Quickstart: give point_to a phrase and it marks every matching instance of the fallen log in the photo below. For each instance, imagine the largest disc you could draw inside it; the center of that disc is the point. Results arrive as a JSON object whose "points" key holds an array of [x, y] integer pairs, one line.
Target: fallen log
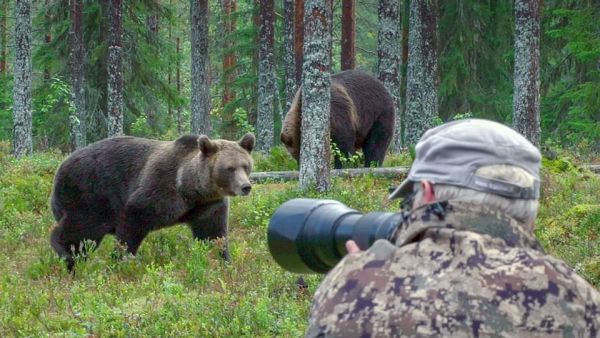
{"points": [[391, 172], [283, 176]]}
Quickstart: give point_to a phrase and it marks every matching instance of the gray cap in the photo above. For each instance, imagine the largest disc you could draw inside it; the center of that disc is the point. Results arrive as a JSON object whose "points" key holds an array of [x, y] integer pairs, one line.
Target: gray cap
{"points": [[452, 153]]}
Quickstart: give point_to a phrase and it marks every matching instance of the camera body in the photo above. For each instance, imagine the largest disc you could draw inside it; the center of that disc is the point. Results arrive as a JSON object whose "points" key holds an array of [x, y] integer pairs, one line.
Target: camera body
{"points": [[309, 235]]}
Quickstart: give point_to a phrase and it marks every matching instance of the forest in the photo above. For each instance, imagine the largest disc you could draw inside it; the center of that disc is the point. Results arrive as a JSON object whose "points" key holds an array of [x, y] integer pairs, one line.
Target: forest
{"points": [[73, 72]]}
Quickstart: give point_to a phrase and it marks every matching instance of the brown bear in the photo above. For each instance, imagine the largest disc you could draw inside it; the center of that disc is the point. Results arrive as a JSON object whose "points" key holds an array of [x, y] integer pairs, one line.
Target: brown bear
{"points": [[362, 117], [129, 186]]}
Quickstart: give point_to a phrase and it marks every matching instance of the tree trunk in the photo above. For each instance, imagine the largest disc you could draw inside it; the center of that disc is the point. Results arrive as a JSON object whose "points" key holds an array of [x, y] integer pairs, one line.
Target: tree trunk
{"points": [[526, 100], [3, 37], [388, 52], [22, 138], [200, 87], [316, 95], [153, 25], [289, 60], [421, 86], [229, 8], [77, 61], [178, 80], [47, 37], [266, 79], [228, 128], [115, 69], [348, 54], [299, 39], [405, 4]]}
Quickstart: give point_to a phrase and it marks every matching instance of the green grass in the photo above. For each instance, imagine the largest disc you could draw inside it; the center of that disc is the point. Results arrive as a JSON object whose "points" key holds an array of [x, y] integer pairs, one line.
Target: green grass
{"points": [[176, 286]]}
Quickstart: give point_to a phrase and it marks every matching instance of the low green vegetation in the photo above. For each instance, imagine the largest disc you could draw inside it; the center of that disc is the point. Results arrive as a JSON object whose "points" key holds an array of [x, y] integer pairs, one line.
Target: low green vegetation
{"points": [[176, 286]]}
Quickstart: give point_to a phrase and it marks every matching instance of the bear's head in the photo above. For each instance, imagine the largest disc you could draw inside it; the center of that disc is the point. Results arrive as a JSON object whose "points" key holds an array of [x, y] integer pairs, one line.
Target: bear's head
{"points": [[229, 164], [290, 131]]}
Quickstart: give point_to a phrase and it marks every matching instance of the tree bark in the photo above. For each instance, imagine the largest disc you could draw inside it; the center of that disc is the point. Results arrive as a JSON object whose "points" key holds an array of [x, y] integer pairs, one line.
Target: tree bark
{"points": [[266, 79], [153, 26], [421, 86], [316, 95], [405, 4], [289, 60], [526, 99], [77, 61], [115, 69], [229, 8], [388, 52], [47, 37], [178, 80], [200, 87], [299, 39], [3, 37], [22, 138], [348, 53]]}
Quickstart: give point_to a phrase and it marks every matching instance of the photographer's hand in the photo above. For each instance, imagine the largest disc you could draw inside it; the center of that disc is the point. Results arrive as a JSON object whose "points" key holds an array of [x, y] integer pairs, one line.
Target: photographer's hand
{"points": [[352, 247]]}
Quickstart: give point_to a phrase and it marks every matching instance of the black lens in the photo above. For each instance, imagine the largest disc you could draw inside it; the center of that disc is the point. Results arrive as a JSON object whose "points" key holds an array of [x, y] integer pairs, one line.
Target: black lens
{"points": [[309, 235]]}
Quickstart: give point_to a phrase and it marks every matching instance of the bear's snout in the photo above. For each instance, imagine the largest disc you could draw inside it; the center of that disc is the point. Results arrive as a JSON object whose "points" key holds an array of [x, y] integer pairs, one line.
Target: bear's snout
{"points": [[246, 187]]}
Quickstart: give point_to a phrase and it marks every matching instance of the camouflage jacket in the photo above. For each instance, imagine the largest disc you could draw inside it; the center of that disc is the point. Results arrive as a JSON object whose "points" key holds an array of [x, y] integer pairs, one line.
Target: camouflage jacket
{"points": [[456, 270]]}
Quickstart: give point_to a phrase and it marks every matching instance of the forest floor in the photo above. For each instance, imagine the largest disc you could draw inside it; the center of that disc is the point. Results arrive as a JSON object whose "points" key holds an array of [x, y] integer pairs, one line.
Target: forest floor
{"points": [[176, 286]]}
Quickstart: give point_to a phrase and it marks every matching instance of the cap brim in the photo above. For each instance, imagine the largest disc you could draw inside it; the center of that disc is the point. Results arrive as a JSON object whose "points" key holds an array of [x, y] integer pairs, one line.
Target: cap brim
{"points": [[402, 190]]}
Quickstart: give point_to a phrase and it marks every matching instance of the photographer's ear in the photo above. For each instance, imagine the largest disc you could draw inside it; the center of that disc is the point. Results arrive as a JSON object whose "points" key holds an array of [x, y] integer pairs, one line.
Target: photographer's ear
{"points": [[428, 193]]}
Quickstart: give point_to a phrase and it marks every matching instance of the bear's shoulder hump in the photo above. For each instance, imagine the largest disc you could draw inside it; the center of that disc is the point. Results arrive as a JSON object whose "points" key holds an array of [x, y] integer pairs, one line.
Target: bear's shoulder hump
{"points": [[187, 141]]}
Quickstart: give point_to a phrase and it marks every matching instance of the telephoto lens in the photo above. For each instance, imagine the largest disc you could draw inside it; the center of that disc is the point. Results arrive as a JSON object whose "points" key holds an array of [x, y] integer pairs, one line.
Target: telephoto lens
{"points": [[309, 235]]}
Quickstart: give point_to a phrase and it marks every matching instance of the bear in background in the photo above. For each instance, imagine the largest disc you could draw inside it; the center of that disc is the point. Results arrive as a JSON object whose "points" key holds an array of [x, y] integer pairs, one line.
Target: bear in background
{"points": [[362, 117], [129, 186]]}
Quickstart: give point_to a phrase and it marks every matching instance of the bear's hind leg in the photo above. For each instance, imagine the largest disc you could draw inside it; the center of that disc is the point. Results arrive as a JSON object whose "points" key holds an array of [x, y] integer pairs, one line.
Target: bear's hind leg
{"points": [[69, 243], [377, 143]]}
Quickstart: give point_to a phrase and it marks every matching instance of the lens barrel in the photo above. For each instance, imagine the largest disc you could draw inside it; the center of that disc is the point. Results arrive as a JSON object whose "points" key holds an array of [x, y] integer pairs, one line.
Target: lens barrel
{"points": [[309, 235]]}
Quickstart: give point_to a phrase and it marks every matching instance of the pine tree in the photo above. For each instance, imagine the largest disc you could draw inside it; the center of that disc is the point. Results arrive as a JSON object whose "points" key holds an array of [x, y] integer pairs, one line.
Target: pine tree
{"points": [[348, 54], [200, 91], [526, 102], [388, 51], [316, 95], [289, 61], [266, 79], [77, 63], [115, 69], [299, 38], [229, 8], [22, 137], [152, 25], [3, 36], [421, 86]]}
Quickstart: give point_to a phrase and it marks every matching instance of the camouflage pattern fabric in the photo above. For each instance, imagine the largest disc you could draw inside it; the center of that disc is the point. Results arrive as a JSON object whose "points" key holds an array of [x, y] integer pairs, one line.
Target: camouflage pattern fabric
{"points": [[457, 270]]}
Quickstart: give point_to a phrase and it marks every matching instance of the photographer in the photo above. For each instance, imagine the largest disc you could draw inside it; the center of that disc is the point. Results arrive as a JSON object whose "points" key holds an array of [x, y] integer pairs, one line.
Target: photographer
{"points": [[465, 262]]}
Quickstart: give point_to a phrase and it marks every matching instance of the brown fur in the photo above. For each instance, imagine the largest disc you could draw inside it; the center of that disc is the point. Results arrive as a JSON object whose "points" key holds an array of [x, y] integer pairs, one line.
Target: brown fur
{"points": [[362, 117], [130, 186]]}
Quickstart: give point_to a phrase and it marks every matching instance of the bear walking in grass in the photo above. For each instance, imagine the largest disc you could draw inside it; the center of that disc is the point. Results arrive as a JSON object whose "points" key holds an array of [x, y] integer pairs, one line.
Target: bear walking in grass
{"points": [[129, 186], [362, 117]]}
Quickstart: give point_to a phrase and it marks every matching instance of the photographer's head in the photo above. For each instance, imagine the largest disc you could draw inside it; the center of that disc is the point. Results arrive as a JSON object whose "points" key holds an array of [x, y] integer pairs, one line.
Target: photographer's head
{"points": [[476, 161]]}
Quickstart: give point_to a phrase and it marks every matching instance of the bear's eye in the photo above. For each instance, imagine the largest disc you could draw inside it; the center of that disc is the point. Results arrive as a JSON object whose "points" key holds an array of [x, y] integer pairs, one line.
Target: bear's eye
{"points": [[231, 169]]}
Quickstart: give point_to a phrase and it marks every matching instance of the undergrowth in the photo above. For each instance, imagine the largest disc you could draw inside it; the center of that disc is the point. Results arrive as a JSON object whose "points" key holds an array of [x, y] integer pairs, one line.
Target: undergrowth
{"points": [[176, 286]]}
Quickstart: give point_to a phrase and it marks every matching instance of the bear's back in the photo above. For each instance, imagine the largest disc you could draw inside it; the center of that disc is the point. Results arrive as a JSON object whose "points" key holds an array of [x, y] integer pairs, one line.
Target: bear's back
{"points": [[369, 95], [103, 172]]}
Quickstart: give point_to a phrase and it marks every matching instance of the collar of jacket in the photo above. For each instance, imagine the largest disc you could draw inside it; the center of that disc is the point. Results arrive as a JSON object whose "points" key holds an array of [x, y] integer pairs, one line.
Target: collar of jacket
{"points": [[461, 216]]}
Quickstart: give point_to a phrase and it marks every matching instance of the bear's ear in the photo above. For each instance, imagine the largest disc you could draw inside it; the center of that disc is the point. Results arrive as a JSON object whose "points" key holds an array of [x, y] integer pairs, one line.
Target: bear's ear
{"points": [[207, 147], [247, 142]]}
